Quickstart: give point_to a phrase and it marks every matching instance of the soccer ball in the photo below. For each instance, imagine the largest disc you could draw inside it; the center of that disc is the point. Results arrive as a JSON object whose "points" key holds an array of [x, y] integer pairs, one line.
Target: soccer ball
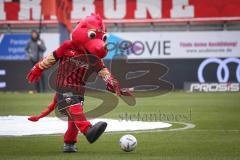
{"points": [[128, 143]]}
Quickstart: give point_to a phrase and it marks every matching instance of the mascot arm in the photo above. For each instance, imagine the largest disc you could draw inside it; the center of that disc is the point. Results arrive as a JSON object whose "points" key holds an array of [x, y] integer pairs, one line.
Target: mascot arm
{"points": [[36, 71], [47, 62], [45, 112], [112, 84]]}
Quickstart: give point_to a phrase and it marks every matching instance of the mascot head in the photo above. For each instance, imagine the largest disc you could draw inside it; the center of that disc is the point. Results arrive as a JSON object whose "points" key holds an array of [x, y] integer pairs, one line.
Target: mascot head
{"points": [[90, 35]]}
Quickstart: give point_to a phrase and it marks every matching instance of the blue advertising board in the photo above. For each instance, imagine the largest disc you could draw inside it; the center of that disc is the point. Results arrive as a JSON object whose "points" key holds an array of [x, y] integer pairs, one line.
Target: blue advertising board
{"points": [[12, 46]]}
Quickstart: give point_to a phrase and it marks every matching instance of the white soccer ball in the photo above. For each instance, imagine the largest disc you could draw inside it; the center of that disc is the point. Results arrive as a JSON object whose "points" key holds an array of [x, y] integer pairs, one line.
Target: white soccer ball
{"points": [[128, 143]]}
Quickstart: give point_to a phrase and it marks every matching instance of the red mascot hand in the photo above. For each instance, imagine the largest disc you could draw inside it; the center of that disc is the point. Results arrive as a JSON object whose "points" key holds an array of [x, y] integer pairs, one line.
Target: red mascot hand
{"points": [[34, 118], [35, 73], [113, 85]]}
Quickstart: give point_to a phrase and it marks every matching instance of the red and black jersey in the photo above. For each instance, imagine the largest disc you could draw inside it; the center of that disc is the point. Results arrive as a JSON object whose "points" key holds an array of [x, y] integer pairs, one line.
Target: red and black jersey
{"points": [[75, 67]]}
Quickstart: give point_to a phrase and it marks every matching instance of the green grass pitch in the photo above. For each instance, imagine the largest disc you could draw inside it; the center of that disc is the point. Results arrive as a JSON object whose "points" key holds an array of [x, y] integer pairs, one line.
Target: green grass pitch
{"points": [[216, 135]]}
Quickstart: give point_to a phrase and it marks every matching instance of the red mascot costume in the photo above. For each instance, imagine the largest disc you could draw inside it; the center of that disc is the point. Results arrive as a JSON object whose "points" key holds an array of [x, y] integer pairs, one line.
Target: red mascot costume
{"points": [[77, 59]]}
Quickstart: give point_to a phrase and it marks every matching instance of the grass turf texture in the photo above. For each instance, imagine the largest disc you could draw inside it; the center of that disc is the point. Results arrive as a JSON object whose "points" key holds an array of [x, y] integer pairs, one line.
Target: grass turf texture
{"points": [[216, 135]]}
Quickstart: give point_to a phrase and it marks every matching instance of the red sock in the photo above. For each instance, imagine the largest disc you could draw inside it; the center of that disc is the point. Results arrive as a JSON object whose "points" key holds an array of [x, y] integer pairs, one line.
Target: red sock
{"points": [[77, 116], [71, 134]]}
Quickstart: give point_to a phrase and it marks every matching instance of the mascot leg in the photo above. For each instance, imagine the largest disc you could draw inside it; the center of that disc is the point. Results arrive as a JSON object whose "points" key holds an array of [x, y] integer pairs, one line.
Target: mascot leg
{"points": [[70, 137], [76, 122], [77, 116], [92, 132]]}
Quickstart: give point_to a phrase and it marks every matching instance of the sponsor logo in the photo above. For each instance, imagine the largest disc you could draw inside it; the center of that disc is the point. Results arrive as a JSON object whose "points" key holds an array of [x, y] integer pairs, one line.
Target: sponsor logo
{"points": [[222, 70], [79, 63], [214, 87], [118, 46], [12, 46]]}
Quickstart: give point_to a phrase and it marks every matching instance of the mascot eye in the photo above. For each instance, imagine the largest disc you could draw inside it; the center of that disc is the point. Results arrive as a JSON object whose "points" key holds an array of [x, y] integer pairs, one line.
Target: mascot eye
{"points": [[104, 38], [91, 34]]}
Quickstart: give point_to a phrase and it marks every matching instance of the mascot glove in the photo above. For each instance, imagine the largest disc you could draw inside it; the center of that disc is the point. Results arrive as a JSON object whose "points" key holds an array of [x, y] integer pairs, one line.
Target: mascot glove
{"points": [[113, 85], [126, 92], [123, 91], [35, 73]]}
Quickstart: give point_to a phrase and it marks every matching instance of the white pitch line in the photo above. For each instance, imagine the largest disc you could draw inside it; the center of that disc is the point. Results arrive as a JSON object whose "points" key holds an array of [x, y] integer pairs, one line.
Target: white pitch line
{"points": [[215, 130], [187, 126]]}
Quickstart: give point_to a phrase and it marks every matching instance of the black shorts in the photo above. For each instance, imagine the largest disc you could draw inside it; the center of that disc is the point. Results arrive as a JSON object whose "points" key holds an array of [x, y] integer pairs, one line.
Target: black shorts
{"points": [[65, 100]]}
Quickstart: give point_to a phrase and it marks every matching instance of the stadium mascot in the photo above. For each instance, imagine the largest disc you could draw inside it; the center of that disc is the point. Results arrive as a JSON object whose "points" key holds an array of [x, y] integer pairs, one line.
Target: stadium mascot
{"points": [[77, 59]]}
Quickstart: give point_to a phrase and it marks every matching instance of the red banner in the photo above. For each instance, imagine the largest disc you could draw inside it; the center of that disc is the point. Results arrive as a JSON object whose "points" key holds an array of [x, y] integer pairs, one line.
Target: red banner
{"points": [[63, 12], [117, 11]]}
